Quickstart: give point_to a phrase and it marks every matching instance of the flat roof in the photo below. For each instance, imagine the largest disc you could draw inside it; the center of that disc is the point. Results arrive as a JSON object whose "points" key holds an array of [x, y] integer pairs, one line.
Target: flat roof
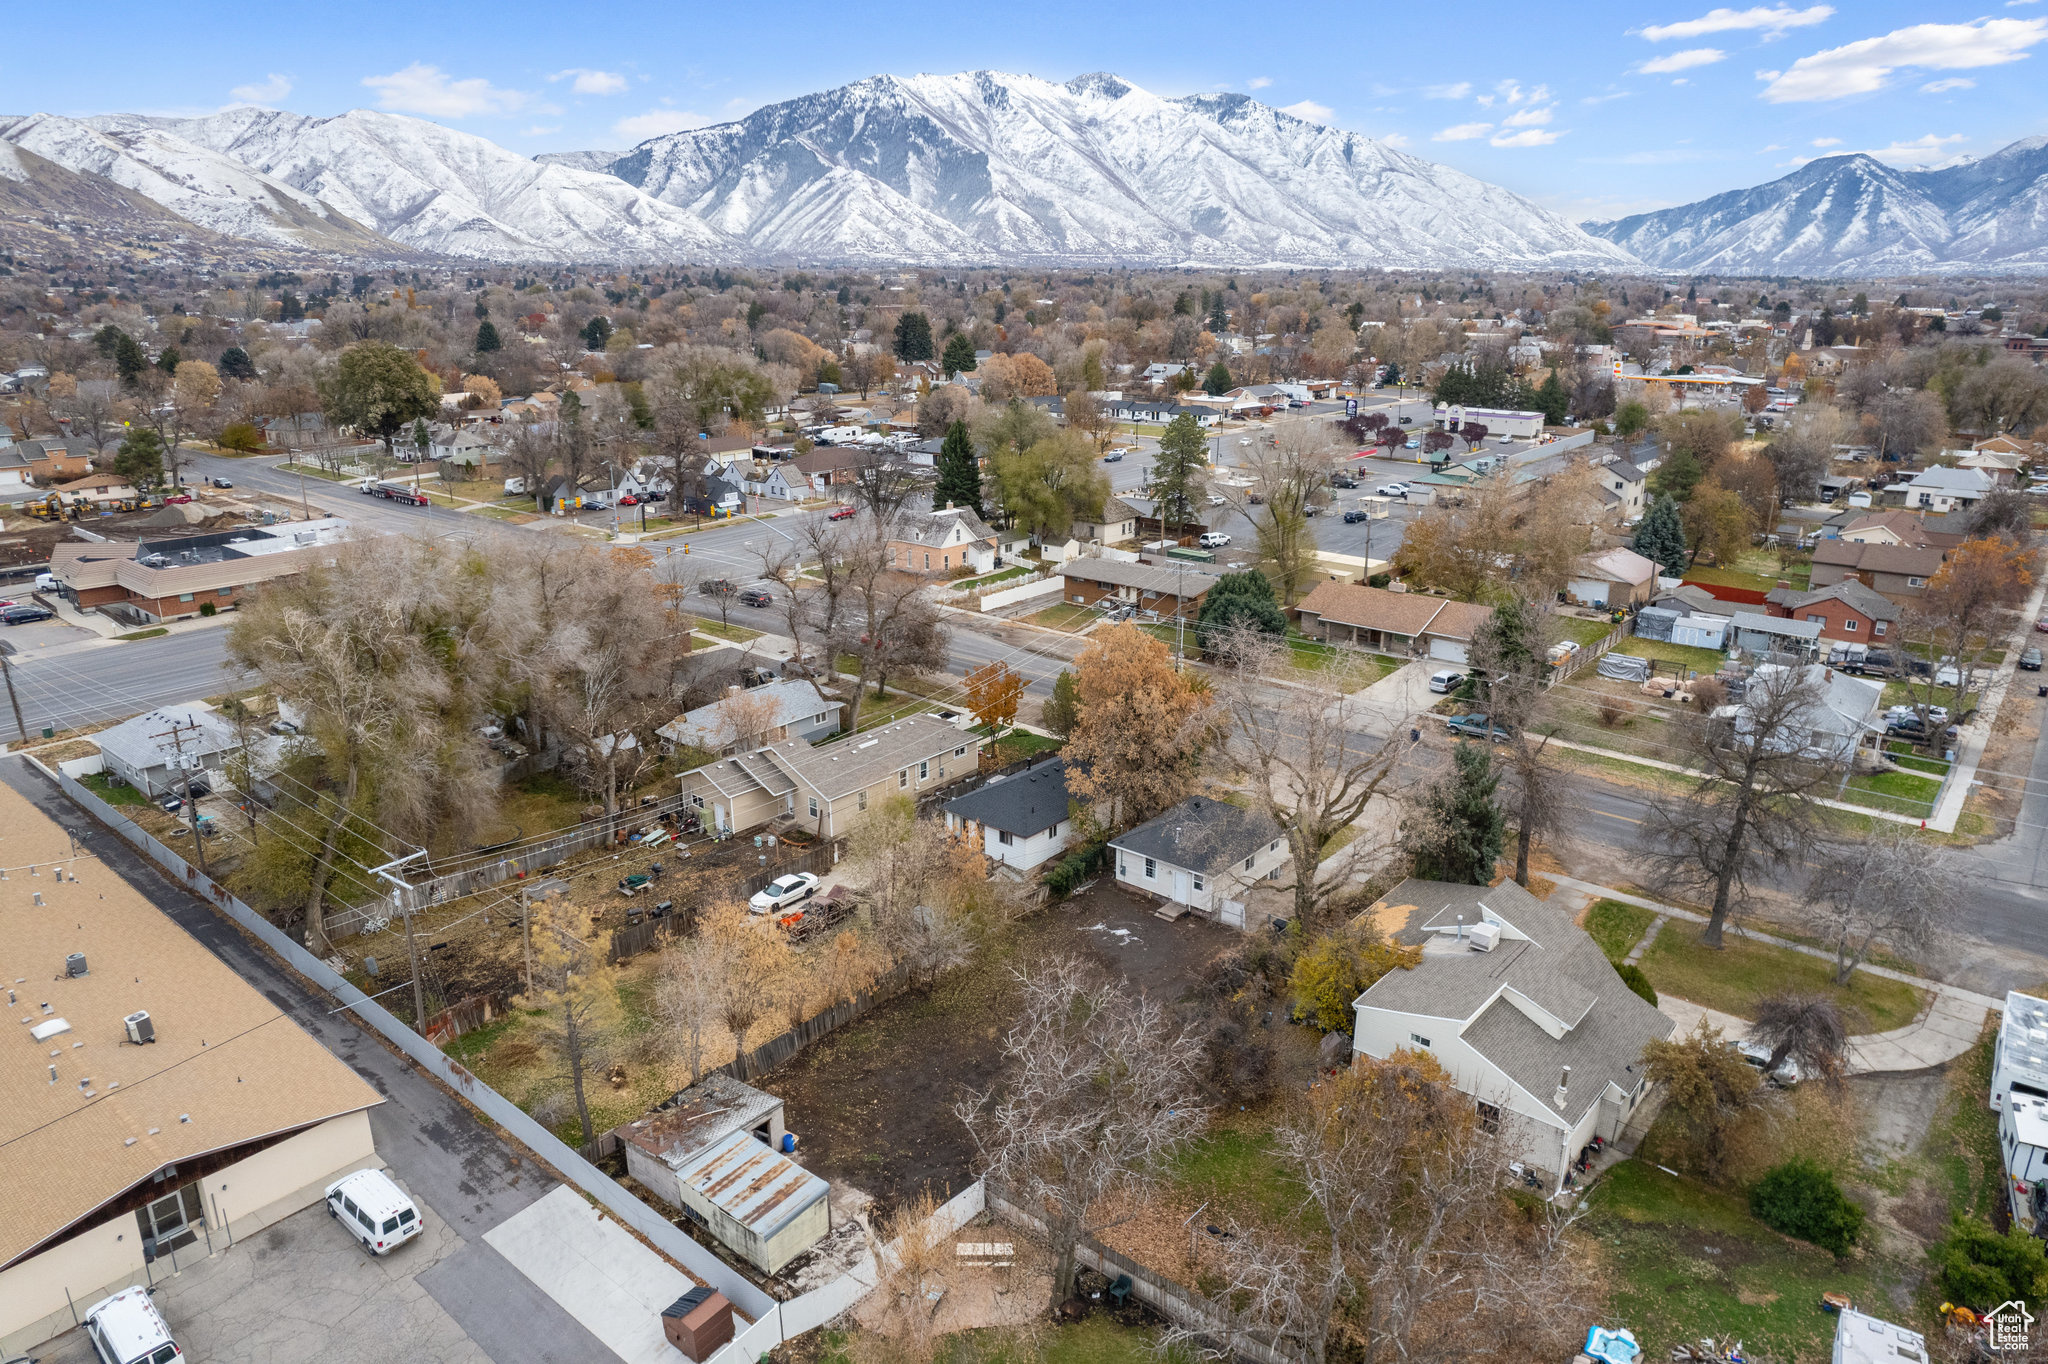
{"points": [[707, 1112], [2023, 1033], [228, 1066], [1862, 1339]]}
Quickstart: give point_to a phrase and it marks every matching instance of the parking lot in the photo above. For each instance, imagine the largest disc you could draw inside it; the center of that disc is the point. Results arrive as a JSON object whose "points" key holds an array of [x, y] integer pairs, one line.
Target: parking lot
{"points": [[303, 1289], [43, 634]]}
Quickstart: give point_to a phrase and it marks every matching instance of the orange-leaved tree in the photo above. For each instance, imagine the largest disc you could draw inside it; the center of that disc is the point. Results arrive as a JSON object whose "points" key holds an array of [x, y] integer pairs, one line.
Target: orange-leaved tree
{"points": [[993, 691], [1140, 730]]}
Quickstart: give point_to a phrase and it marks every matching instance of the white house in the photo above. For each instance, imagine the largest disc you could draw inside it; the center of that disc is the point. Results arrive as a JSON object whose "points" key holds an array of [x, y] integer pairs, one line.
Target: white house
{"points": [[1022, 819], [1841, 716], [155, 752], [746, 719], [1522, 1009], [1203, 853], [1945, 488]]}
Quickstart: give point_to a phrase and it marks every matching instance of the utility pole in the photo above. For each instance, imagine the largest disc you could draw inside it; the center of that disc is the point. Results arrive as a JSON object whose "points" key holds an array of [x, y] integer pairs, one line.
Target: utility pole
{"points": [[1180, 607], [176, 734], [13, 700], [398, 906]]}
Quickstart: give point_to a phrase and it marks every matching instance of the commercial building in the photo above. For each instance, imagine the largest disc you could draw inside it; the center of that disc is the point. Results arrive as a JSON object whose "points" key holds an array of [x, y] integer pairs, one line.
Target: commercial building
{"points": [[123, 1156], [147, 582]]}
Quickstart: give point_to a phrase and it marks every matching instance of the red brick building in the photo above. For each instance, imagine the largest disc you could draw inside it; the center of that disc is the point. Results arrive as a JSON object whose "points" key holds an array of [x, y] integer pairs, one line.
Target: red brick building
{"points": [[1846, 610]]}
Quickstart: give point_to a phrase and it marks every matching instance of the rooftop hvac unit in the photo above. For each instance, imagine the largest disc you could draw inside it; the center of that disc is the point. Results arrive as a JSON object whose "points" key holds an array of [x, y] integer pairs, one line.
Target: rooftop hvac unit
{"points": [[74, 965], [1485, 937], [140, 1029]]}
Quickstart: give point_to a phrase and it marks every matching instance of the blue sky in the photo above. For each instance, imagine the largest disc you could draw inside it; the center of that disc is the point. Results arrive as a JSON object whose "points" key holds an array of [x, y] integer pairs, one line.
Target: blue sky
{"points": [[1596, 110]]}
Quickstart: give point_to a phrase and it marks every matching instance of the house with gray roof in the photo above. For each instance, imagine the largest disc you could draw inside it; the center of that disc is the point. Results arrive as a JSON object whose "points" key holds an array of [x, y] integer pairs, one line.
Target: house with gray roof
{"points": [[159, 751], [747, 718], [1202, 855], [941, 541], [1520, 1007], [1757, 633], [1021, 820], [831, 787], [1839, 714], [1944, 488]]}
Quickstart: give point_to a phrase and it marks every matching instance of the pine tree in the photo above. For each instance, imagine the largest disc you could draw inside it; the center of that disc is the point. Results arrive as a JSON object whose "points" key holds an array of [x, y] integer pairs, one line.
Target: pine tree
{"points": [[913, 338], [1060, 713], [1461, 831], [1661, 537], [234, 363], [1180, 471], [1552, 400], [959, 474], [1218, 381], [129, 358], [487, 339], [596, 332], [959, 354]]}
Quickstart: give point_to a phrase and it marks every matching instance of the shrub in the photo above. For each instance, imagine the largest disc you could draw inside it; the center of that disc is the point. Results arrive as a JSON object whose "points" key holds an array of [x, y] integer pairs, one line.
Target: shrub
{"points": [[1613, 711], [206, 608], [1071, 870], [1335, 970], [1800, 1198], [241, 436], [1379, 580], [1633, 977], [1981, 1269]]}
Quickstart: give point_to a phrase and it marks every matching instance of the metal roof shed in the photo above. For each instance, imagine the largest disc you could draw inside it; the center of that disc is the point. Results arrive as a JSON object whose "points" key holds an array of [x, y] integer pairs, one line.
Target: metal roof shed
{"points": [[757, 1201]]}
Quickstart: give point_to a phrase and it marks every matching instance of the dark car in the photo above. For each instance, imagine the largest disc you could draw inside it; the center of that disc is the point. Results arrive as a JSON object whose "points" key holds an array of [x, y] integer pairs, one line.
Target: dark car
{"points": [[1875, 663], [756, 596], [2030, 661], [1355, 515], [26, 615], [1475, 727], [1343, 481], [1113, 457], [716, 587], [219, 482]]}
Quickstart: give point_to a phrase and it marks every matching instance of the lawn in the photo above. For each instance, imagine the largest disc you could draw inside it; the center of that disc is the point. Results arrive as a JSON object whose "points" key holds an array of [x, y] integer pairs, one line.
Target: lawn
{"points": [[102, 785], [1617, 927], [991, 579], [1743, 972], [1705, 662], [1583, 633], [1348, 670], [1066, 616], [1730, 577], [1096, 1340], [1237, 1174], [501, 514], [1687, 1261], [1901, 752], [1903, 694], [1020, 744], [143, 634], [1901, 793], [1963, 1140], [315, 471], [735, 634]]}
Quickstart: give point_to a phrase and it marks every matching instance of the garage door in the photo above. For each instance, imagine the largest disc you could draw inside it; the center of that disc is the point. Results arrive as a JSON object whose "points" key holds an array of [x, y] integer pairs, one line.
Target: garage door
{"points": [[1450, 650]]}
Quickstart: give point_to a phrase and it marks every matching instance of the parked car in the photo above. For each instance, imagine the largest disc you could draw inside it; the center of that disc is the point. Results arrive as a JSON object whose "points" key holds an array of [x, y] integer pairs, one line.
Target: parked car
{"points": [[1948, 675], [629, 501], [1872, 663], [1446, 680], [1391, 490], [176, 499], [1758, 1055], [1343, 481], [1355, 515], [2042, 625], [374, 1209], [1113, 457], [1475, 727], [1214, 539], [25, 613], [219, 482], [756, 596], [1413, 444], [2030, 660], [782, 891], [842, 514], [127, 1329]]}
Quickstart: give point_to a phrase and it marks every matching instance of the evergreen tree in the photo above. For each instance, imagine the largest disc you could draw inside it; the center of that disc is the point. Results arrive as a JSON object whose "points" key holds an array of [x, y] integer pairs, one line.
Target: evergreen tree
{"points": [[959, 474], [1552, 400], [959, 355], [487, 338], [913, 338], [1219, 319], [1218, 381], [129, 359], [1180, 471], [1060, 713], [596, 332], [140, 460], [290, 309], [1234, 599], [171, 358], [1461, 831], [234, 363], [106, 340], [1661, 537]]}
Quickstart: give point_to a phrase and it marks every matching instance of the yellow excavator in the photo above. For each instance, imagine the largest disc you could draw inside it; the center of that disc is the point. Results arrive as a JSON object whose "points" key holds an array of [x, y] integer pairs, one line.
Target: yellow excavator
{"points": [[51, 508]]}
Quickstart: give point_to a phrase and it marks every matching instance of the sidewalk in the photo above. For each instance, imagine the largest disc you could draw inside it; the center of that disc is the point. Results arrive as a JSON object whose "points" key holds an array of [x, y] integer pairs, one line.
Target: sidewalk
{"points": [[109, 630], [1949, 1028], [1962, 773]]}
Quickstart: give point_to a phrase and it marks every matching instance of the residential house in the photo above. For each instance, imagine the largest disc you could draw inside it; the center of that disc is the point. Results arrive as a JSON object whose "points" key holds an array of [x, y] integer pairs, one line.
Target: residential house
{"points": [[1622, 489], [827, 468], [163, 749], [1893, 526], [941, 541], [97, 489], [780, 482], [1521, 1008], [1203, 853], [232, 1119], [1845, 610], [1176, 591], [1388, 622], [1690, 599], [1612, 579], [1020, 820], [49, 461], [151, 581], [2025, 451], [829, 788], [1114, 524], [1842, 716], [2001, 467], [464, 447], [745, 719], [1161, 371], [1761, 634], [1899, 572], [1946, 488]]}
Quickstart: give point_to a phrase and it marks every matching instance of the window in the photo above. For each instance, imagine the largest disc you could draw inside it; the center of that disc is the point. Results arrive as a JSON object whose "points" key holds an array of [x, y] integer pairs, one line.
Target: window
{"points": [[924, 771], [1848, 625], [1123, 869], [863, 800], [697, 801], [1818, 620], [1249, 860], [225, 592], [903, 779], [1489, 1117], [1274, 846], [1878, 629], [1418, 1039], [1151, 870], [1198, 881], [927, 561], [814, 807], [1916, 582], [390, 1225], [1005, 838], [960, 752], [184, 596]]}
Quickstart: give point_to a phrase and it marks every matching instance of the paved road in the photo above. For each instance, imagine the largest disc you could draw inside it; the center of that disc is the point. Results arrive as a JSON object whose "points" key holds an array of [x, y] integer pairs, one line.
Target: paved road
{"points": [[441, 1151]]}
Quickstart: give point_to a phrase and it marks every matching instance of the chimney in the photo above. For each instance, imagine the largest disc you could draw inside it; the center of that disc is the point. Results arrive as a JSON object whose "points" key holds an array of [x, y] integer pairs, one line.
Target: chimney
{"points": [[1564, 1082]]}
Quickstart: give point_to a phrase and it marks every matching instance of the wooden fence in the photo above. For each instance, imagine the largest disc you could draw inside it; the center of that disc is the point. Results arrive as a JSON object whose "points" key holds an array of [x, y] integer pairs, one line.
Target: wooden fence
{"points": [[465, 1015], [776, 1050], [1587, 654]]}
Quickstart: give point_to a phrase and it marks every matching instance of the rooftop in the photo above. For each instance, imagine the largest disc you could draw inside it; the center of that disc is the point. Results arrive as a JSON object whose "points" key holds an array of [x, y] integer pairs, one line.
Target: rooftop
{"points": [[706, 1113], [756, 1187], [1143, 577], [2023, 1034], [1024, 803], [1861, 1339], [227, 1068], [1201, 834]]}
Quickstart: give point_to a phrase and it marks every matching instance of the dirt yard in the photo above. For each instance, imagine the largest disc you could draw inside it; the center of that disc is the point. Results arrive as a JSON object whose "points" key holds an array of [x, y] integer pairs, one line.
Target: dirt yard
{"points": [[872, 1104]]}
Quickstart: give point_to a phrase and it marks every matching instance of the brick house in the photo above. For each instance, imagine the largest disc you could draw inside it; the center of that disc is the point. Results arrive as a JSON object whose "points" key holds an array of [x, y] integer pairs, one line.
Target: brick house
{"points": [[941, 541], [50, 460], [1845, 610], [1149, 587], [1898, 572]]}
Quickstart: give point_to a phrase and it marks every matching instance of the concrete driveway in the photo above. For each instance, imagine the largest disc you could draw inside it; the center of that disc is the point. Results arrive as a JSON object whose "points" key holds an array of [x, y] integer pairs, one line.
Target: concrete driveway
{"points": [[1395, 699]]}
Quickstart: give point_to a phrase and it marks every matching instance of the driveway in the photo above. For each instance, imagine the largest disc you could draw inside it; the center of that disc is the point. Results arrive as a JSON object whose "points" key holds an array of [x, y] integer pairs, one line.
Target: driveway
{"points": [[1395, 699], [303, 1290]]}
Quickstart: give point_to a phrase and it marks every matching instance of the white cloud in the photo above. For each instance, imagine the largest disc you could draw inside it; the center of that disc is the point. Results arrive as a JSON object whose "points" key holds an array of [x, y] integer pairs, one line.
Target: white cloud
{"points": [[1528, 137], [1681, 81], [1827, 142], [1773, 21], [269, 90], [423, 89], [655, 122], [1512, 93], [2015, 4], [1258, 82], [1860, 68], [1682, 61], [1307, 109], [1458, 91], [590, 82], [1920, 151], [1951, 83], [1770, 147], [1463, 132], [1396, 140], [1529, 118], [1602, 99]]}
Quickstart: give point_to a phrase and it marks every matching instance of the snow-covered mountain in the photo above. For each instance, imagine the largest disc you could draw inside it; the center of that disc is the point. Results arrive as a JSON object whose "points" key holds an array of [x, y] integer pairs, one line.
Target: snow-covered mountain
{"points": [[988, 167], [1854, 215], [439, 190]]}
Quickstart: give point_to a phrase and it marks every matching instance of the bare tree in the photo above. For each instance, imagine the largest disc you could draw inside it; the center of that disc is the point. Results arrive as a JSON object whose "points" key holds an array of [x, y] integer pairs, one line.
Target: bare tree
{"points": [[883, 482], [1510, 656], [1967, 610], [1293, 475], [891, 623], [1887, 886], [1752, 806], [1098, 1091], [1310, 767], [1807, 1029], [686, 995]]}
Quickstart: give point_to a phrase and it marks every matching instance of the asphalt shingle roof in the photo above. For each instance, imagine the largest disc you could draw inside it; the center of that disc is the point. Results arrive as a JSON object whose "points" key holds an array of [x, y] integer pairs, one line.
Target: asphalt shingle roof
{"points": [[1201, 834], [1026, 803]]}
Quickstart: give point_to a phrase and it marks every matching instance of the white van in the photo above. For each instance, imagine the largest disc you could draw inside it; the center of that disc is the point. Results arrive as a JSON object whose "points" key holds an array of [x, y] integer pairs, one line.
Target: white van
{"points": [[515, 487], [374, 1209], [127, 1329]]}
